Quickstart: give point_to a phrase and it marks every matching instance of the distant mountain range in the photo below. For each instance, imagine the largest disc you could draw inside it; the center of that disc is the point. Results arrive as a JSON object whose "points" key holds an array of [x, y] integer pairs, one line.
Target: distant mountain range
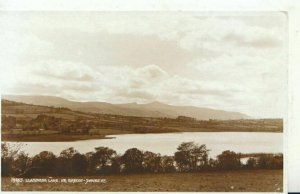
{"points": [[154, 109]]}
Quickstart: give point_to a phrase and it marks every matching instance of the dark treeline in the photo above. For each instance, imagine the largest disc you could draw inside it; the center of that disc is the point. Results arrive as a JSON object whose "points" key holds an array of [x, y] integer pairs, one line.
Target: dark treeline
{"points": [[189, 157]]}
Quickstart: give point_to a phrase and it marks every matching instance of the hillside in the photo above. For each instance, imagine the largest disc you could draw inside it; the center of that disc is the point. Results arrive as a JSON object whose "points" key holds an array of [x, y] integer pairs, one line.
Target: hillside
{"points": [[27, 122], [155, 109]]}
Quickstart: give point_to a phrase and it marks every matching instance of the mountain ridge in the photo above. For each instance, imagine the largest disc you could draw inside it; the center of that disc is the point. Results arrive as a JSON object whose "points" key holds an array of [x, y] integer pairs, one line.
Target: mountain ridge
{"points": [[153, 109]]}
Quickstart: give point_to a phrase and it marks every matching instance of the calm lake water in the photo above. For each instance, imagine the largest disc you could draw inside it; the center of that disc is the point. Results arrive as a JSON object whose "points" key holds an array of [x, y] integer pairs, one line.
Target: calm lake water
{"points": [[167, 143]]}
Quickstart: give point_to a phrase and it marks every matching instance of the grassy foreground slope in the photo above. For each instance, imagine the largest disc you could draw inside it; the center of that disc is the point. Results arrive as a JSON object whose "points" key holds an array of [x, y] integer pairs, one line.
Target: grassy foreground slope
{"points": [[232, 181]]}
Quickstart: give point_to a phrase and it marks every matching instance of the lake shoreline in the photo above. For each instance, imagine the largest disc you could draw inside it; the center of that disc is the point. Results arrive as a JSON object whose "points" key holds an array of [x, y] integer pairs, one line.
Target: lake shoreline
{"points": [[164, 143], [49, 138], [74, 138]]}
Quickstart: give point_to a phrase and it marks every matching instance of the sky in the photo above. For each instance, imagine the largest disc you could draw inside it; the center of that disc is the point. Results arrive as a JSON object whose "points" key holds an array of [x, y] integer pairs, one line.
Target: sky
{"points": [[229, 61]]}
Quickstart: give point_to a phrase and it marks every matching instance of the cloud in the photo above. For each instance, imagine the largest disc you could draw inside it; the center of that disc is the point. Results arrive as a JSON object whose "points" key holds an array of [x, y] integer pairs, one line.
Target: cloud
{"points": [[229, 68], [34, 88], [201, 92], [265, 43], [102, 48], [136, 82], [261, 43], [136, 94], [230, 61], [64, 70], [151, 72]]}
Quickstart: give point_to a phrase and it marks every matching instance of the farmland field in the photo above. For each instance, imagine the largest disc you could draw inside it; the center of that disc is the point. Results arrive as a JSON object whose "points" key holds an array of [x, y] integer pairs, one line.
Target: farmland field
{"points": [[32, 123], [232, 181]]}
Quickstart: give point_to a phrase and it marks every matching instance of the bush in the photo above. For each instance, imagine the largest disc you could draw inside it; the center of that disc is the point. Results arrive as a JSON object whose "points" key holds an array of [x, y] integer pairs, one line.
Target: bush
{"points": [[229, 160], [251, 163], [270, 162]]}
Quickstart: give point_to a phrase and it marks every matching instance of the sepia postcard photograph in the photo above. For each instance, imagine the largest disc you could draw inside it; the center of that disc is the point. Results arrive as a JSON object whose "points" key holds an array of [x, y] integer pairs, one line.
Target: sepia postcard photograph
{"points": [[143, 101]]}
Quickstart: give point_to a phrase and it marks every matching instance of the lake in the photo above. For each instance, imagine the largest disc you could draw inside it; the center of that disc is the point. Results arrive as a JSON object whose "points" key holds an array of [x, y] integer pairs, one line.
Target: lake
{"points": [[167, 143]]}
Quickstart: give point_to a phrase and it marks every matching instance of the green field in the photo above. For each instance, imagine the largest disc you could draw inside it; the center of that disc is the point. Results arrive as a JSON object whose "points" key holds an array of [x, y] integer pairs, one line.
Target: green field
{"points": [[232, 181]]}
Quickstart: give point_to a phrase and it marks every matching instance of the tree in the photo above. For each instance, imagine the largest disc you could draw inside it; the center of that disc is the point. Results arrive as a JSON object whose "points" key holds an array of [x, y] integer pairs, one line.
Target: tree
{"points": [[6, 160], [116, 163], [12, 159], [45, 161], [152, 162], [64, 162], [270, 161], [251, 163], [212, 164], [229, 160], [21, 163], [133, 160], [101, 160], [8, 122], [90, 165], [168, 164], [277, 161], [191, 156], [79, 164]]}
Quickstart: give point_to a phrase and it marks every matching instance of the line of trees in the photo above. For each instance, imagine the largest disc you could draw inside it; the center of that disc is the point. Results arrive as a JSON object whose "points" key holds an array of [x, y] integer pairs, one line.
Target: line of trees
{"points": [[189, 157]]}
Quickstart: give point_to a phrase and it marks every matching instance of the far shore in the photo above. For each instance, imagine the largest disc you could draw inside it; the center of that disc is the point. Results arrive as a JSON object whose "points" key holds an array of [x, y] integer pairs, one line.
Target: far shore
{"points": [[78, 137], [49, 138]]}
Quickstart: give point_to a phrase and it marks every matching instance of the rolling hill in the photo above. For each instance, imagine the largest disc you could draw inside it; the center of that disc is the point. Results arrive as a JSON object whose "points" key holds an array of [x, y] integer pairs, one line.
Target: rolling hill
{"points": [[154, 109]]}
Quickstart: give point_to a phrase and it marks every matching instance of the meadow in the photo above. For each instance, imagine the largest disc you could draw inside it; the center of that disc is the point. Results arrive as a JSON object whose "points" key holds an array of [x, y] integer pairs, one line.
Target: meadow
{"points": [[225, 181]]}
